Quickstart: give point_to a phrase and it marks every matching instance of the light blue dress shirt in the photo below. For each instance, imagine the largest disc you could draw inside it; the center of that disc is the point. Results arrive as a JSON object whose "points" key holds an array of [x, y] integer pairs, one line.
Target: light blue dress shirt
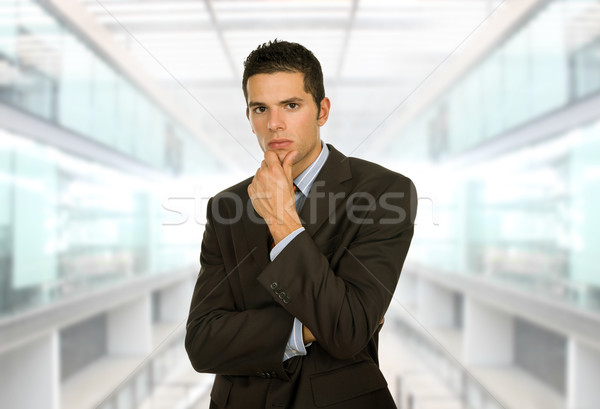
{"points": [[303, 181]]}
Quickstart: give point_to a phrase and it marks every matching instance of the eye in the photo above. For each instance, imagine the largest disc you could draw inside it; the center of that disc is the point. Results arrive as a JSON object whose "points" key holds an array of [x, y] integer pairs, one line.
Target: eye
{"points": [[259, 110], [293, 105]]}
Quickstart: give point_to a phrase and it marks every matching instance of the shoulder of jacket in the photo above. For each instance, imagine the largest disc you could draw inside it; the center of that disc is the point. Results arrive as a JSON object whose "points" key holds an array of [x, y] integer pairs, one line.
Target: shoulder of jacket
{"points": [[367, 171]]}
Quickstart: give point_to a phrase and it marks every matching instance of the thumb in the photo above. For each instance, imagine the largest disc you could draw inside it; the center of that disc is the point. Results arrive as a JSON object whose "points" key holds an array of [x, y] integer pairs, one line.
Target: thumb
{"points": [[288, 162]]}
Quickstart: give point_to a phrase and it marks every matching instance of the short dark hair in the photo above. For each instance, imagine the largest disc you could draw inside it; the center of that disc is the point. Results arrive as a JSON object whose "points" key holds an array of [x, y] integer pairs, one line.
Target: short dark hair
{"points": [[276, 56]]}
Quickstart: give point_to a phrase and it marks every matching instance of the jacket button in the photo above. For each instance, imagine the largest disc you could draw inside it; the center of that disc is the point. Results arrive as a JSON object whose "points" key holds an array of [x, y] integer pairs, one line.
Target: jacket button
{"points": [[282, 295], [274, 285], [287, 300]]}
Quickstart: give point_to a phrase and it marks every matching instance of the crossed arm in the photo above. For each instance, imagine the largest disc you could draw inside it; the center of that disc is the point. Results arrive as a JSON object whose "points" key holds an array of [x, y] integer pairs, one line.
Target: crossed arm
{"points": [[341, 309]]}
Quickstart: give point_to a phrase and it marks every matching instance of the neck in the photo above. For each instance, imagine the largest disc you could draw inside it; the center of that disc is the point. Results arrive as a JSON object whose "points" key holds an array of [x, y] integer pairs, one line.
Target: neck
{"points": [[301, 167]]}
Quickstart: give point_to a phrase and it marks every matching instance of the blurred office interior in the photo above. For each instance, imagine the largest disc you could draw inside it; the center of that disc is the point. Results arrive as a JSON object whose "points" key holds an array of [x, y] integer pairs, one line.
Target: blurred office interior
{"points": [[120, 118]]}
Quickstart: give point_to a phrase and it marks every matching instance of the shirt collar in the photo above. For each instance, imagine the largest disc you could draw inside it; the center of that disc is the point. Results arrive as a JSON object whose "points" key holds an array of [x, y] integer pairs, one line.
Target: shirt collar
{"points": [[305, 180]]}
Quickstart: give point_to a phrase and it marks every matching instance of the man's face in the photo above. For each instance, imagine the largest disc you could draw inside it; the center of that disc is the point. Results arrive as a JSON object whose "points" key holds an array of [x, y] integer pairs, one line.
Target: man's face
{"points": [[284, 117]]}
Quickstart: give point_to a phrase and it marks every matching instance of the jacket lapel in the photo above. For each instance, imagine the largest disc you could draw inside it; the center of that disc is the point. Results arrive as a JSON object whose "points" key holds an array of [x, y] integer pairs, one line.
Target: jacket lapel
{"points": [[319, 204], [321, 199]]}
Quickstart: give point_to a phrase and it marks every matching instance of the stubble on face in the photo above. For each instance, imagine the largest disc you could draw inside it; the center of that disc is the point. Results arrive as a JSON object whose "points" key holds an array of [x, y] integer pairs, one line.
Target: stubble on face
{"points": [[280, 108]]}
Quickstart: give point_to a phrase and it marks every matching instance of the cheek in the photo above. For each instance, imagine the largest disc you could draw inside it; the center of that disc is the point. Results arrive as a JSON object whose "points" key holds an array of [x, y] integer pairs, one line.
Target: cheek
{"points": [[308, 124], [256, 122]]}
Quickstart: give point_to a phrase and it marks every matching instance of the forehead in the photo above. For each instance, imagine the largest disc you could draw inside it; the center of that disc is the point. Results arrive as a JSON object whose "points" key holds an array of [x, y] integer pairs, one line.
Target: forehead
{"points": [[277, 86]]}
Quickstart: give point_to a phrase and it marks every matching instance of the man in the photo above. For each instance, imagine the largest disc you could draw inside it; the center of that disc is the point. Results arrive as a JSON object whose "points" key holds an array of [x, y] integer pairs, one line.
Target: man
{"points": [[298, 263]]}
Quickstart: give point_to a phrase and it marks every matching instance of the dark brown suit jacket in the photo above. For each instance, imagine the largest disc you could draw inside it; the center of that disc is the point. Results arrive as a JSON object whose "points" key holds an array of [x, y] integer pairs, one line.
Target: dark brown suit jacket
{"points": [[337, 278]]}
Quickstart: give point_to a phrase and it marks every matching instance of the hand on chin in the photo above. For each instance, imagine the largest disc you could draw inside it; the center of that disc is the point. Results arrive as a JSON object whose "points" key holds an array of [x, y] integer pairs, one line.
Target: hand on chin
{"points": [[280, 153]]}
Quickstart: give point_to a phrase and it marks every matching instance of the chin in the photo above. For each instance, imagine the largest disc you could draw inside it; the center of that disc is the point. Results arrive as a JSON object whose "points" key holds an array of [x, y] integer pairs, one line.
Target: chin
{"points": [[281, 154]]}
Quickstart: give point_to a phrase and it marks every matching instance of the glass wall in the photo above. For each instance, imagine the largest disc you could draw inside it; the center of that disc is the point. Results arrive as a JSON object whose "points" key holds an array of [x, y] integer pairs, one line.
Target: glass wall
{"points": [[551, 61], [527, 218], [48, 71], [68, 226]]}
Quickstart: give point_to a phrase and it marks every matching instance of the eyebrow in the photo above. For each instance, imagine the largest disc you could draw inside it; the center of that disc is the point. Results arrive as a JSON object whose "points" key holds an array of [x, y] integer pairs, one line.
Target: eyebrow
{"points": [[284, 102]]}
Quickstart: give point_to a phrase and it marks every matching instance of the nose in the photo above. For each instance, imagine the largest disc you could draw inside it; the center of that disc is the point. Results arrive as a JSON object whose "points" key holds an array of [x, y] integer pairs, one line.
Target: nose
{"points": [[276, 122]]}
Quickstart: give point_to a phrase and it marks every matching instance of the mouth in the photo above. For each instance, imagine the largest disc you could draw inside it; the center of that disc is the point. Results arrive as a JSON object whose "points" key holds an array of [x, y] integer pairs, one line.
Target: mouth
{"points": [[279, 144]]}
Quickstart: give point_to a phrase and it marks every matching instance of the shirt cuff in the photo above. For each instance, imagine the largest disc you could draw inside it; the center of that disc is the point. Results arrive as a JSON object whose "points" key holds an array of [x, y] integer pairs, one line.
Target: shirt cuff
{"points": [[295, 345], [281, 245]]}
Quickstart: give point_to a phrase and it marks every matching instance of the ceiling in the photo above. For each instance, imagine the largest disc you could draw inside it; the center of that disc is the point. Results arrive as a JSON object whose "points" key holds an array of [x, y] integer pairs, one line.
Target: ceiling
{"points": [[375, 54]]}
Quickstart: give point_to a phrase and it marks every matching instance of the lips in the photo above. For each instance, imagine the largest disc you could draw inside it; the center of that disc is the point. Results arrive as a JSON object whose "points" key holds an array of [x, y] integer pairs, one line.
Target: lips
{"points": [[280, 143]]}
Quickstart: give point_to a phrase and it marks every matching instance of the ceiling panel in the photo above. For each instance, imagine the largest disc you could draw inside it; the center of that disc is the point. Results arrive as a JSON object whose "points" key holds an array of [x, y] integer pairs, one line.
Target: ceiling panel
{"points": [[374, 53]]}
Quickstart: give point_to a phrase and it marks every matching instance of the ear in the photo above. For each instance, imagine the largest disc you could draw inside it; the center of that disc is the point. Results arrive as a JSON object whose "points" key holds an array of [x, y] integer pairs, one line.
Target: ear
{"points": [[324, 111]]}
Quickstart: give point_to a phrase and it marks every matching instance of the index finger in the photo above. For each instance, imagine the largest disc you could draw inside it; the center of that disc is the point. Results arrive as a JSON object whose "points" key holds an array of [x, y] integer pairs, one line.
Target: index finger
{"points": [[271, 158]]}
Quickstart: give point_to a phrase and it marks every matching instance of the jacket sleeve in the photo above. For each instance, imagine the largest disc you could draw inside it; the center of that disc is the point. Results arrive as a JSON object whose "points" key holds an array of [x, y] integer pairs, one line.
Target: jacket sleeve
{"points": [[221, 340], [343, 307]]}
